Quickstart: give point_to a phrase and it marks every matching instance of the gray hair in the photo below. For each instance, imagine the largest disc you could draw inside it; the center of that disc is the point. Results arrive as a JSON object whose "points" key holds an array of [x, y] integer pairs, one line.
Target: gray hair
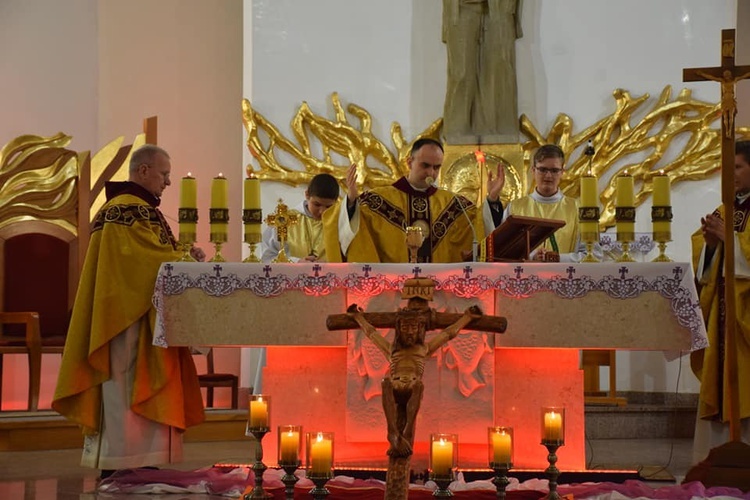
{"points": [[145, 154]]}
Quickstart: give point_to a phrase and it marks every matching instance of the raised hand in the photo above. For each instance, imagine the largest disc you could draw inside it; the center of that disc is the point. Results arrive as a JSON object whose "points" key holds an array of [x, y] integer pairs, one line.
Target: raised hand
{"points": [[495, 182]]}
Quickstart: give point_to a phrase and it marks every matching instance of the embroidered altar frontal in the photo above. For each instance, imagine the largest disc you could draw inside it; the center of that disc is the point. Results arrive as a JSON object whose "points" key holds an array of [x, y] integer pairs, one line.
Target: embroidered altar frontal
{"points": [[330, 380]]}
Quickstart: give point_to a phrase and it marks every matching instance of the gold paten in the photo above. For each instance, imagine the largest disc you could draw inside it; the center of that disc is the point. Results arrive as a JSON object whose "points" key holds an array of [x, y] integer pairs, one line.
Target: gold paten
{"points": [[620, 142]]}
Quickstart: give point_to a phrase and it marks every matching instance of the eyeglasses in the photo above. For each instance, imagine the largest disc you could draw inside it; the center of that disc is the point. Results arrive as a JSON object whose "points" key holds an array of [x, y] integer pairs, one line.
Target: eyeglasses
{"points": [[545, 170]]}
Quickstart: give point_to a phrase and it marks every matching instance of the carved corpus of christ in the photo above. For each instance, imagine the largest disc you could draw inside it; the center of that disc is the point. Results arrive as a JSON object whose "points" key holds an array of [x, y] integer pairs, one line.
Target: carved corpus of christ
{"points": [[402, 386]]}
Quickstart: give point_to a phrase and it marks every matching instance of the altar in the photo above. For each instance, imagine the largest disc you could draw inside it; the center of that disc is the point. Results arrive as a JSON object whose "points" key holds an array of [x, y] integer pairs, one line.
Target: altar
{"points": [[330, 381]]}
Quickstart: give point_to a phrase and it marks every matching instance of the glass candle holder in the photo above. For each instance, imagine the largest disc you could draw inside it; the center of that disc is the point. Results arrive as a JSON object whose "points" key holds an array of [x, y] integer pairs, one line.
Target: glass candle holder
{"points": [[443, 454], [319, 454], [290, 445], [553, 425], [500, 440], [259, 415]]}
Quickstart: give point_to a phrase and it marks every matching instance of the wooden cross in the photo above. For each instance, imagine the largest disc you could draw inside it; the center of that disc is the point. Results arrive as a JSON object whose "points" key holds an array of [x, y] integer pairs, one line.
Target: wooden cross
{"points": [[727, 74], [281, 219]]}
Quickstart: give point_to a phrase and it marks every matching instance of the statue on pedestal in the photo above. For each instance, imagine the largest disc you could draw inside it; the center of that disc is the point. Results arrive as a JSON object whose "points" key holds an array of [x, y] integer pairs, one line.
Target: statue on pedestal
{"points": [[481, 96]]}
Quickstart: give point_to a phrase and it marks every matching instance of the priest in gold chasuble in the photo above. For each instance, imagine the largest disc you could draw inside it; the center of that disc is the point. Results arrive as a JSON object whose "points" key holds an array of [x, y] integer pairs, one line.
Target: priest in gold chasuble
{"points": [[132, 399], [712, 427], [371, 227]]}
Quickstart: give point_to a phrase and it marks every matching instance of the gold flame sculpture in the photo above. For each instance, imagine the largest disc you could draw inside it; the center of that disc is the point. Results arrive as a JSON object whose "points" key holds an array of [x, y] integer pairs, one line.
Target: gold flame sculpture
{"points": [[673, 135], [39, 178]]}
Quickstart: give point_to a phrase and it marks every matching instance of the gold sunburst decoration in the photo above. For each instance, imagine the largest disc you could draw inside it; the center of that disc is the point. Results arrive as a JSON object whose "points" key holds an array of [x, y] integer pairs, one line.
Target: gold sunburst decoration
{"points": [[672, 135]]}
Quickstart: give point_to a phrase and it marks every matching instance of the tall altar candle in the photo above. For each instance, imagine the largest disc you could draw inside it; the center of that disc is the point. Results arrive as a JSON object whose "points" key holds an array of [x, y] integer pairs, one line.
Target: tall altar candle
{"points": [[252, 202], [589, 199], [321, 455], [188, 199], [502, 444], [662, 199], [442, 457], [219, 200], [625, 198], [259, 412], [289, 446], [553, 426]]}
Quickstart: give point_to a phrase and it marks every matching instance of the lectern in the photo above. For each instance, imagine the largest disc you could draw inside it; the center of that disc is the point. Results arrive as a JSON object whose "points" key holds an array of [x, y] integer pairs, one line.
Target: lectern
{"points": [[518, 236]]}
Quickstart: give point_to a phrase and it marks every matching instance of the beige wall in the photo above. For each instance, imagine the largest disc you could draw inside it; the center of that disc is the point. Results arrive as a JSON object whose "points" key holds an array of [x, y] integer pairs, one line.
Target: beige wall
{"points": [[743, 58], [95, 68]]}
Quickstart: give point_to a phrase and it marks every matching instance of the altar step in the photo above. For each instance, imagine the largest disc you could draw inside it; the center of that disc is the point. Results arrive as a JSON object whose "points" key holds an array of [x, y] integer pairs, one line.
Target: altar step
{"points": [[46, 430], [644, 416]]}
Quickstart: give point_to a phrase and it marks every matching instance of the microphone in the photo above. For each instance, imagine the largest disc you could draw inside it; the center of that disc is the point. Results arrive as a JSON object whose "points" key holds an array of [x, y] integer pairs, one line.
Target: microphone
{"points": [[475, 242], [430, 181]]}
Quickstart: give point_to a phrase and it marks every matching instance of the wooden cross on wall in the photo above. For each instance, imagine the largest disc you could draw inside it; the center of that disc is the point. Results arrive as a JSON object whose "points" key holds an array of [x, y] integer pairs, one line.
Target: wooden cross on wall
{"points": [[728, 75]]}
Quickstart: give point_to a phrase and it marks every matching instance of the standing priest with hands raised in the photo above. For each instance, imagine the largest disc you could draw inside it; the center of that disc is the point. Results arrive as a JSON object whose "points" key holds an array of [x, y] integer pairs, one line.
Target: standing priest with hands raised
{"points": [[370, 227]]}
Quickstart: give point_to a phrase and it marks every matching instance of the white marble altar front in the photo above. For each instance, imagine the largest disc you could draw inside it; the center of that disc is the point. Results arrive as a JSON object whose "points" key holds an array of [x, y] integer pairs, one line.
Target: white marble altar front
{"points": [[329, 381]]}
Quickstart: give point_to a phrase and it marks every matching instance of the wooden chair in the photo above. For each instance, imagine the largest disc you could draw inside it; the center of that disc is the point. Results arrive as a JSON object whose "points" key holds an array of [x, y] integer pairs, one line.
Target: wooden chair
{"points": [[211, 380], [30, 344], [591, 361]]}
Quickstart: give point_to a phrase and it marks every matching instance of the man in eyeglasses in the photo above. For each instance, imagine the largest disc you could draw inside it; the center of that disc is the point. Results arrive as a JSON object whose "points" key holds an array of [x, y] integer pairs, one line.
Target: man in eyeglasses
{"points": [[132, 399], [548, 202]]}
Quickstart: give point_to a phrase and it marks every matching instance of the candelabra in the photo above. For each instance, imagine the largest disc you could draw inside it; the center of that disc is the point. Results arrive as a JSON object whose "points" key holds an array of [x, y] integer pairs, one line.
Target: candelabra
{"points": [[501, 456], [552, 471], [501, 480], [258, 467], [289, 479], [442, 481], [320, 491]]}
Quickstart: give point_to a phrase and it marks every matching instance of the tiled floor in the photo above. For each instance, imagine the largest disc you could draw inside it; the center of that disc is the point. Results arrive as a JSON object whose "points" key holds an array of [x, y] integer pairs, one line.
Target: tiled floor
{"points": [[55, 475]]}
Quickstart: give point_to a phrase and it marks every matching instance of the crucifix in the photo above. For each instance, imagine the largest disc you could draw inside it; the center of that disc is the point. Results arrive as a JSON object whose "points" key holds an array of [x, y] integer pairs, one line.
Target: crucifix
{"points": [[407, 354], [728, 74], [281, 219]]}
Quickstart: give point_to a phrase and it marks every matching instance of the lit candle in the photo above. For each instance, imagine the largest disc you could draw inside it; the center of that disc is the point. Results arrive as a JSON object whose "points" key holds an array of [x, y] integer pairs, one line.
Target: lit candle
{"points": [[501, 446], [321, 455], [442, 457], [188, 199], [625, 197], [662, 198], [553, 426], [662, 184], [188, 192], [258, 413], [252, 202], [219, 190], [289, 446], [589, 199]]}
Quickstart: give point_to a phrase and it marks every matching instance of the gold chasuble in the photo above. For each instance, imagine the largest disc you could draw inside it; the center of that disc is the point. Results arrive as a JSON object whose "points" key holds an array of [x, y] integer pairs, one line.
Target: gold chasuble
{"points": [[385, 212], [306, 238], [709, 364], [129, 241], [559, 207]]}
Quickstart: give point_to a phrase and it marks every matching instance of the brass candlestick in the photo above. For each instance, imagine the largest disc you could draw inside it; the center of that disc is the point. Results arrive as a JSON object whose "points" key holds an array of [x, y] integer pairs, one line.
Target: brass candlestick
{"points": [[289, 479], [625, 215], [320, 491], [589, 257], [188, 218], [252, 219], [258, 467], [219, 219], [661, 218], [552, 471]]}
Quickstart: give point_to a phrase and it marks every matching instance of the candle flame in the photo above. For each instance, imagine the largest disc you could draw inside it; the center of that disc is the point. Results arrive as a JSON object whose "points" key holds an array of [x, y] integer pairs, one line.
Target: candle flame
{"points": [[442, 441], [479, 155], [260, 398], [290, 433], [220, 176], [320, 437], [189, 175], [661, 172]]}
